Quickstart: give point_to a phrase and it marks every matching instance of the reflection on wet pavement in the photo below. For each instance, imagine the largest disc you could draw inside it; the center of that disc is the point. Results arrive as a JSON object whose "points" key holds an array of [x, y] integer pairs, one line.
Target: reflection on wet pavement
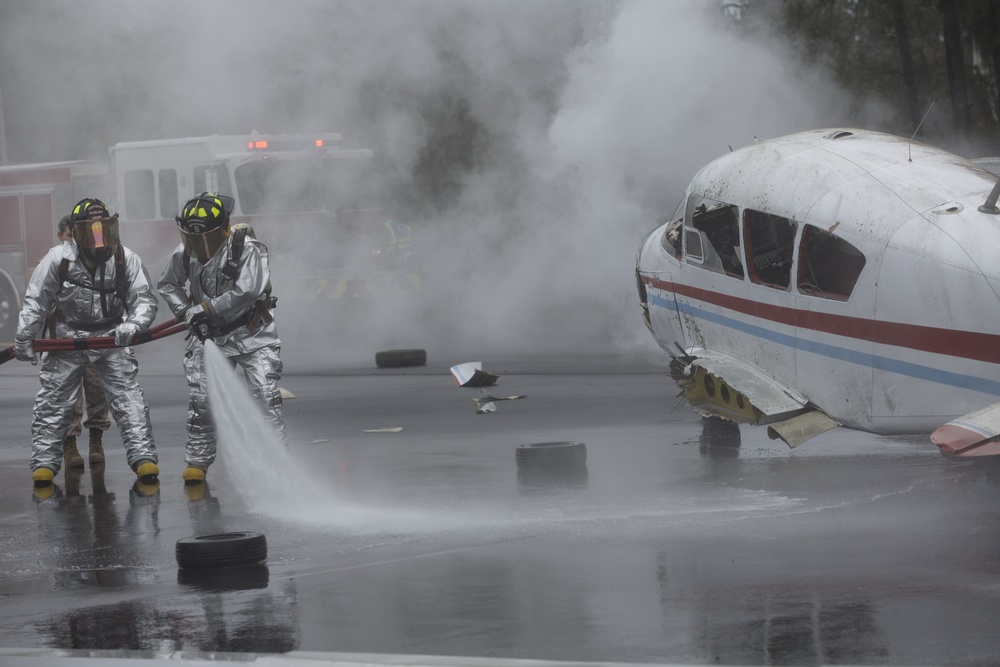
{"points": [[679, 539]]}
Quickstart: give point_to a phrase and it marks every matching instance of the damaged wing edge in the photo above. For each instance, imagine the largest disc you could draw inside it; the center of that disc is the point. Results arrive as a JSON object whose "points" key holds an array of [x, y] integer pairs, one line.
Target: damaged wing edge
{"points": [[973, 434], [793, 432], [722, 386]]}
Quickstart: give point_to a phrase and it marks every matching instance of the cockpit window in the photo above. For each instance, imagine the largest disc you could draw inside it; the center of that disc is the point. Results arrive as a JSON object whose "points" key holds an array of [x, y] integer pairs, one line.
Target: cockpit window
{"points": [[671, 241], [718, 224], [829, 266], [770, 241], [695, 254]]}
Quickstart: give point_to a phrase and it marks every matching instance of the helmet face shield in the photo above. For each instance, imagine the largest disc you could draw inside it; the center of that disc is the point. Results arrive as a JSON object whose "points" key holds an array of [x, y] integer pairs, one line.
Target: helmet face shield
{"points": [[203, 246], [95, 232], [204, 224]]}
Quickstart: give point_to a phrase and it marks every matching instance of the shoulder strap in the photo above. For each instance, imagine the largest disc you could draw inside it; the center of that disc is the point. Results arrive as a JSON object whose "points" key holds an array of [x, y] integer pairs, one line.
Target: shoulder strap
{"points": [[63, 271], [121, 276], [232, 267]]}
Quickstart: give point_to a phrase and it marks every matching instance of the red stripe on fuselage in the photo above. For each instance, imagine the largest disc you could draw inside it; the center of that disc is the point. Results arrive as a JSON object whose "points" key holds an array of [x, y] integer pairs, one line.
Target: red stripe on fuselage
{"points": [[950, 342]]}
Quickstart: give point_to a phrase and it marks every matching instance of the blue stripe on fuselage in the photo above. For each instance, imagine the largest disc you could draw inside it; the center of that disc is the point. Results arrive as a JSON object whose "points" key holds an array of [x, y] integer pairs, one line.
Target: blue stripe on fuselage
{"points": [[843, 354]]}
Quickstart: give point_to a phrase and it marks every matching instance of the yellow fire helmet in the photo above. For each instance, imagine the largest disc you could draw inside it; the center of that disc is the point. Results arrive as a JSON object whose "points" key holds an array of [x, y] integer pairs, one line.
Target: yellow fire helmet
{"points": [[204, 224], [95, 231]]}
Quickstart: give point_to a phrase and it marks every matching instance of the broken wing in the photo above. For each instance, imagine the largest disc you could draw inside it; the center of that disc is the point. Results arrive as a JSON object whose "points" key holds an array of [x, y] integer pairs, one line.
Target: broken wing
{"points": [[974, 434], [720, 385]]}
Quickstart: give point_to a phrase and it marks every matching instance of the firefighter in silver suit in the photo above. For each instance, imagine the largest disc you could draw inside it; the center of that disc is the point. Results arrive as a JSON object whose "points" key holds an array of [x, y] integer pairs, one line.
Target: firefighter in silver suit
{"points": [[93, 287], [218, 281]]}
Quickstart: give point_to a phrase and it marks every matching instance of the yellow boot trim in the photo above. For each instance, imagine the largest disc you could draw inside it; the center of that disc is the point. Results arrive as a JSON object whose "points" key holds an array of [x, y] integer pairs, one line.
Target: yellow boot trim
{"points": [[147, 469], [44, 492], [147, 489], [43, 475], [194, 474]]}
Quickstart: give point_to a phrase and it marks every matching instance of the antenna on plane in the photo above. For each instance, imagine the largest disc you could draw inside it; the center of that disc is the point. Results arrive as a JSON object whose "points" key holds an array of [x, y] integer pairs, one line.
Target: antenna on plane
{"points": [[990, 205], [909, 151]]}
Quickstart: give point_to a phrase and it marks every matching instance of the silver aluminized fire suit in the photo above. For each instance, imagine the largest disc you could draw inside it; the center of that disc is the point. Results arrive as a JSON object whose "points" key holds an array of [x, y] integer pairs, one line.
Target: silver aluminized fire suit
{"points": [[228, 304], [81, 311]]}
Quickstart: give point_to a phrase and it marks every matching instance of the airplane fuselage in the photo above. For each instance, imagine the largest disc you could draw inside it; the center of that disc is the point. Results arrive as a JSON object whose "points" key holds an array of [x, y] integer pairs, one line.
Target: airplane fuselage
{"points": [[852, 268]]}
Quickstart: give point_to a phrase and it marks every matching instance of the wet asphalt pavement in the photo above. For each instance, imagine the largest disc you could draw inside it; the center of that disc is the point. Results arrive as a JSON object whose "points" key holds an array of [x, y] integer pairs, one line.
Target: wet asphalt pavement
{"points": [[680, 541]]}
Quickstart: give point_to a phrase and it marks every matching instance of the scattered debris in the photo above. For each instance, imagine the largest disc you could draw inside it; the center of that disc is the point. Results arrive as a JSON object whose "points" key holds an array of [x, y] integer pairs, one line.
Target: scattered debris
{"points": [[488, 397], [485, 403], [471, 374], [319, 441], [390, 429]]}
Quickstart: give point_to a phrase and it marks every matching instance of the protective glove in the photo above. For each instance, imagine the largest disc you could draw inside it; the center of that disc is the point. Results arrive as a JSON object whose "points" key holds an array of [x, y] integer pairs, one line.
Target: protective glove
{"points": [[124, 333], [23, 350], [192, 313], [198, 324]]}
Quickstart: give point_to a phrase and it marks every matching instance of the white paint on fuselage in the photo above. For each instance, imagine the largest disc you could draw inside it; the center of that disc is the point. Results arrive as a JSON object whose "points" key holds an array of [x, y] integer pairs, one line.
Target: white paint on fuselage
{"points": [[930, 276]]}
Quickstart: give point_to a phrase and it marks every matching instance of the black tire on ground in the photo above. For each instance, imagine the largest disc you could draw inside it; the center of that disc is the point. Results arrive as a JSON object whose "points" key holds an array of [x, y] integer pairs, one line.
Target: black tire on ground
{"points": [[551, 454], [400, 358], [221, 550]]}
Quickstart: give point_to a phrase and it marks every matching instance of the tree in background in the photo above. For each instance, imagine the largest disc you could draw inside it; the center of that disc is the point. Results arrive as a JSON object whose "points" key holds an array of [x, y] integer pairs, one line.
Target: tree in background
{"points": [[955, 62], [909, 53]]}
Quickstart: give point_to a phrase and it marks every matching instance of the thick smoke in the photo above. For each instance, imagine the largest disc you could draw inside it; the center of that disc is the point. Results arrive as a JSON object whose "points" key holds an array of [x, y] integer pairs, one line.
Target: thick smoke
{"points": [[529, 144]]}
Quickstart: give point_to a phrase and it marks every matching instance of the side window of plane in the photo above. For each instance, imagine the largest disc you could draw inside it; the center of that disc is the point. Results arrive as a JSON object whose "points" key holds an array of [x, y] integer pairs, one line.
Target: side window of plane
{"points": [[672, 241], [717, 225], [770, 242], [695, 254], [829, 266]]}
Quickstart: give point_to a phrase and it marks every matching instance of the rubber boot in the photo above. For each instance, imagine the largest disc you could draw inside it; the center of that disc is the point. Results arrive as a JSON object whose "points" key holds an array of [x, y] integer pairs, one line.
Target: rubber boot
{"points": [[43, 476], [41, 493], [194, 474], [96, 446], [71, 455], [146, 470]]}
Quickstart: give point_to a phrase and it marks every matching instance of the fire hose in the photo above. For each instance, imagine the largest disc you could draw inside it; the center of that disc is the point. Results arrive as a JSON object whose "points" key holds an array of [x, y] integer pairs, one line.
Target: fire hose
{"points": [[98, 342]]}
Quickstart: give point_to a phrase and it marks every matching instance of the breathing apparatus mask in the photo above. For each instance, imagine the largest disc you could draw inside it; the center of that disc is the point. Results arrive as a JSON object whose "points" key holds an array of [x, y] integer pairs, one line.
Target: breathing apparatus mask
{"points": [[204, 224], [95, 231]]}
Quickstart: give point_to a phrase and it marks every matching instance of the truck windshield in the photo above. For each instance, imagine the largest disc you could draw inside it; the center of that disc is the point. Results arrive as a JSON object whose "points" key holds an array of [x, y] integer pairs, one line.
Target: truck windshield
{"points": [[304, 186]]}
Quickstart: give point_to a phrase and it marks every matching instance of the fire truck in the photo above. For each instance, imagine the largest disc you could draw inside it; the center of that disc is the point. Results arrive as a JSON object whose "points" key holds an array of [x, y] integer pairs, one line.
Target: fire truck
{"points": [[312, 200]]}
